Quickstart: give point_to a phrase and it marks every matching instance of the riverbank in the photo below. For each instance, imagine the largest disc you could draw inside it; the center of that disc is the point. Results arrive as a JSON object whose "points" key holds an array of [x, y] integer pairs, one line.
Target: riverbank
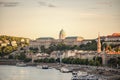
{"points": [[105, 72]]}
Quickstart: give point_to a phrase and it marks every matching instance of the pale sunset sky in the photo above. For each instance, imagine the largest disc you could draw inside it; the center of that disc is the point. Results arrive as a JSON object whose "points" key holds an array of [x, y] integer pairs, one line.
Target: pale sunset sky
{"points": [[45, 18]]}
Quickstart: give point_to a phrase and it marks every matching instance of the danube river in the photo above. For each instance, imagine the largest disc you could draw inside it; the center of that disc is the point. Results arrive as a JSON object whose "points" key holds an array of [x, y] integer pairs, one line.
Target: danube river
{"points": [[31, 73]]}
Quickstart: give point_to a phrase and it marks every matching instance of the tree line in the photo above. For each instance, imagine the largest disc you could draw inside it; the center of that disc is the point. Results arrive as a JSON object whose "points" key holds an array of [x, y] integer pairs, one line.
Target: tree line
{"points": [[5, 50], [63, 47], [93, 62]]}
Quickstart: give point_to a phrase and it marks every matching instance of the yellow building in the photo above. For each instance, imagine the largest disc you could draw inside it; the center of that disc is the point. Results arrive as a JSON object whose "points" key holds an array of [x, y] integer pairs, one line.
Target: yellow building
{"points": [[74, 40], [46, 41]]}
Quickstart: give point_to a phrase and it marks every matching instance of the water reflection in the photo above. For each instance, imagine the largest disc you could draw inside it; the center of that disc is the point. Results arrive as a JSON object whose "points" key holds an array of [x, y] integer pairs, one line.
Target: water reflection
{"points": [[31, 73]]}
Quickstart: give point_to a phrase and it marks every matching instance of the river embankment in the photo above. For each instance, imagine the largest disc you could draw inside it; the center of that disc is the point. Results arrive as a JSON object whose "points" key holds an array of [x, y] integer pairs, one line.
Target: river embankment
{"points": [[110, 73]]}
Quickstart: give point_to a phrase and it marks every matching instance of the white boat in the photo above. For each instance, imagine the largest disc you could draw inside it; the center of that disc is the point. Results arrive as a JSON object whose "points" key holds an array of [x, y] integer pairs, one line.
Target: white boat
{"points": [[75, 78], [21, 64], [92, 77], [65, 70], [45, 67], [81, 73], [83, 76], [39, 66]]}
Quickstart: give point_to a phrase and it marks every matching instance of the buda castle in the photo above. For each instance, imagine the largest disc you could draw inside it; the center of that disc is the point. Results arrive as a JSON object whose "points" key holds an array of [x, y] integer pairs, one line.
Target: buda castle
{"points": [[46, 41]]}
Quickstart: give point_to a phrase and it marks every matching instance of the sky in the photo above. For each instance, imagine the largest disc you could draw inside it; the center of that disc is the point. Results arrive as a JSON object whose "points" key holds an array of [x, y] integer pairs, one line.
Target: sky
{"points": [[45, 18]]}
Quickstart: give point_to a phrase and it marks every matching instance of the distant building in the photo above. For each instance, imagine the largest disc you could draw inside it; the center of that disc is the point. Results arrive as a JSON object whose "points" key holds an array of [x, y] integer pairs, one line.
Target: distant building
{"points": [[86, 55], [22, 40], [85, 41], [75, 40], [27, 40], [106, 54], [69, 53], [7, 42], [74, 54], [110, 39], [62, 34], [1, 41], [4, 44], [13, 43], [45, 41]]}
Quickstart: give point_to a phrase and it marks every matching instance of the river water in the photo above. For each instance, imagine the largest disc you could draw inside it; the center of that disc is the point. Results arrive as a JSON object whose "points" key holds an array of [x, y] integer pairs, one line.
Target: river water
{"points": [[31, 73]]}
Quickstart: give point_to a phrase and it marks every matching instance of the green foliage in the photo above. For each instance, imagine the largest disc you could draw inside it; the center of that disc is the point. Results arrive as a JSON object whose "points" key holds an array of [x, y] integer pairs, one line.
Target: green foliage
{"points": [[27, 59], [34, 50], [43, 49], [22, 56], [10, 57], [113, 62], [45, 60], [5, 50], [98, 61], [93, 62], [89, 46], [63, 47]]}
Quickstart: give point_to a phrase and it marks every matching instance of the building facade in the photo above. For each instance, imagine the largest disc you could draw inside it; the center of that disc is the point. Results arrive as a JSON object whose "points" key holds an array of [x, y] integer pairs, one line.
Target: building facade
{"points": [[47, 41]]}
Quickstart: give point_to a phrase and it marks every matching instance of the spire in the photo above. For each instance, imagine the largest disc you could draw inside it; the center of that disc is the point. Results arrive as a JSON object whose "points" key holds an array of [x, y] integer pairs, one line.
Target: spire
{"points": [[98, 44]]}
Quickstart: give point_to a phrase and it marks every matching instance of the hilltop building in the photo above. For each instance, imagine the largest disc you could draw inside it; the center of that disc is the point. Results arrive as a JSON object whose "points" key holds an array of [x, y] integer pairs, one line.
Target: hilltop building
{"points": [[106, 54], [73, 40], [47, 41], [62, 34]]}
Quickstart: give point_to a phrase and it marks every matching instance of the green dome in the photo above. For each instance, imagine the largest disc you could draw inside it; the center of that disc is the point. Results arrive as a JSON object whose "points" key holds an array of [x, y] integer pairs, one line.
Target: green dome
{"points": [[62, 34]]}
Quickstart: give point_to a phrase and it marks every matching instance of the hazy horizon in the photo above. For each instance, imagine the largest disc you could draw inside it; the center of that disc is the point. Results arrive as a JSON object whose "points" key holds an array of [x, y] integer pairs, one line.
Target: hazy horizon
{"points": [[45, 18]]}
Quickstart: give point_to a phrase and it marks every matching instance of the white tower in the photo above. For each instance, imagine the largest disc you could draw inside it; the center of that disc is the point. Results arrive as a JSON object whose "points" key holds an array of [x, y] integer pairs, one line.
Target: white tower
{"points": [[98, 44]]}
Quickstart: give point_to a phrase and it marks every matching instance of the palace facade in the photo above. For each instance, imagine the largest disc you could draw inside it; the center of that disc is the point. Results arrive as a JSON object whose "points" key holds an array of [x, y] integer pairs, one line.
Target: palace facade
{"points": [[46, 41]]}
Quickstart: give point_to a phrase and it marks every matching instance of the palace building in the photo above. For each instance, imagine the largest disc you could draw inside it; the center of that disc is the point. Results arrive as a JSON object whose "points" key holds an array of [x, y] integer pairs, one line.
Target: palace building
{"points": [[46, 41], [62, 34]]}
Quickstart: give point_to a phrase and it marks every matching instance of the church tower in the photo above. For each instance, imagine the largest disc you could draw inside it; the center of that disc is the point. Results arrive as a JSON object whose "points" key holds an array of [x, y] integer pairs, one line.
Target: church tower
{"points": [[98, 44], [62, 34]]}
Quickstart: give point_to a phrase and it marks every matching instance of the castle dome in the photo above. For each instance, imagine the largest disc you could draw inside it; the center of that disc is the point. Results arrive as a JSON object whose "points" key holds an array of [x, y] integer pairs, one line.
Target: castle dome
{"points": [[62, 34]]}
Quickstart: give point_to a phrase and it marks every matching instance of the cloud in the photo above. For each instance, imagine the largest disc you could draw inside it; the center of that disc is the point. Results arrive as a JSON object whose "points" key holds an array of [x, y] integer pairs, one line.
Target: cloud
{"points": [[41, 3], [51, 5], [9, 4], [106, 3]]}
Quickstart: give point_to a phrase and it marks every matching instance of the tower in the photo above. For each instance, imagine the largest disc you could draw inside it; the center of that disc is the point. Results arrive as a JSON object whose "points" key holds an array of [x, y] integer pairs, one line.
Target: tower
{"points": [[98, 44], [62, 34]]}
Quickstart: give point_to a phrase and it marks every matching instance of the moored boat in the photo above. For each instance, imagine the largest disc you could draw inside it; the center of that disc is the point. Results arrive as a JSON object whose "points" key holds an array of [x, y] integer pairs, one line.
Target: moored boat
{"points": [[65, 70], [83, 76], [21, 64], [45, 67], [39, 66]]}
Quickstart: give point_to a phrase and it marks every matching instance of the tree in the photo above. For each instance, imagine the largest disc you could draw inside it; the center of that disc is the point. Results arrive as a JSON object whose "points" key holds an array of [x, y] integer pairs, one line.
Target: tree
{"points": [[34, 50], [51, 60], [43, 49], [97, 60], [91, 62], [112, 62], [89, 46], [22, 56], [0, 51], [10, 57], [27, 59], [7, 50]]}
